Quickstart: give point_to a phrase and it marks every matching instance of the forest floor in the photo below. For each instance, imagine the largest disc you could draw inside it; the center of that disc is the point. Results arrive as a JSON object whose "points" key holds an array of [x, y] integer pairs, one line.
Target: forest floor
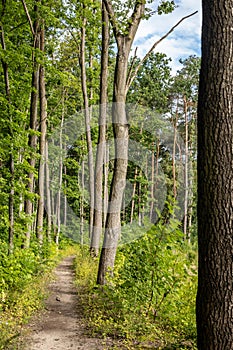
{"points": [[60, 326]]}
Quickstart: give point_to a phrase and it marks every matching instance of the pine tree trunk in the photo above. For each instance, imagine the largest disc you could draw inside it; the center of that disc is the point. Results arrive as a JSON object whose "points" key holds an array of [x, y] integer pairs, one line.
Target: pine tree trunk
{"points": [[215, 179]]}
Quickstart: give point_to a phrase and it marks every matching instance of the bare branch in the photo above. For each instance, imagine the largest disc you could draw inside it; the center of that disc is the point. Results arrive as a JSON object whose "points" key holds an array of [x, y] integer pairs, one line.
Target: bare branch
{"points": [[133, 61], [132, 76], [29, 17]]}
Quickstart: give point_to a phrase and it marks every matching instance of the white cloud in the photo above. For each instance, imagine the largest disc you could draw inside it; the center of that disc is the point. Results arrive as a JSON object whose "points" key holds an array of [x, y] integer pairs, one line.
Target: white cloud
{"points": [[185, 39]]}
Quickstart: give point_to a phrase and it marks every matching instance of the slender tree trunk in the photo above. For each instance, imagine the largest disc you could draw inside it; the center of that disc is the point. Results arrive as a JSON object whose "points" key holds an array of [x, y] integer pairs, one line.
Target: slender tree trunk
{"points": [[106, 171], [88, 124], [215, 179], [156, 172], [11, 158], [33, 127], [58, 211], [65, 198], [48, 194], [133, 195], [174, 153], [43, 130], [140, 200], [186, 168], [152, 183], [82, 204], [98, 220]]}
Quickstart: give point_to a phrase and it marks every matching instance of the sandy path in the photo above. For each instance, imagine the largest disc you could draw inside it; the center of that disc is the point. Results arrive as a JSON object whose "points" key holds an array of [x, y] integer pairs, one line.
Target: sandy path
{"points": [[60, 326]]}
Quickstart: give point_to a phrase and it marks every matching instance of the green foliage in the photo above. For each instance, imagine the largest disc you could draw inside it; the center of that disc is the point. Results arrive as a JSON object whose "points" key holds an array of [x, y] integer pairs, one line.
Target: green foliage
{"points": [[151, 297], [25, 303], [150, 87], [166, 7], [19, 269]]}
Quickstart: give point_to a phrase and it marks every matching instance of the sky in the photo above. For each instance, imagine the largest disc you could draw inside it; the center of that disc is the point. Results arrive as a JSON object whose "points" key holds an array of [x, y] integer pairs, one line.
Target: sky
{"points": [[184, 41]]}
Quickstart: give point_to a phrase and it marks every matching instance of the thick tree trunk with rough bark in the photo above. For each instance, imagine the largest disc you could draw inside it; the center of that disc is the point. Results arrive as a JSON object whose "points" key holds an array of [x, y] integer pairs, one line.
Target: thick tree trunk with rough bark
{"points": [[215, 179]]}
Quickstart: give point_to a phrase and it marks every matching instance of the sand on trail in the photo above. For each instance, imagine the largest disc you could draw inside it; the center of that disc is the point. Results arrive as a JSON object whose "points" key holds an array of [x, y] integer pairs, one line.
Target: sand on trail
{"points": [[60, 325]]}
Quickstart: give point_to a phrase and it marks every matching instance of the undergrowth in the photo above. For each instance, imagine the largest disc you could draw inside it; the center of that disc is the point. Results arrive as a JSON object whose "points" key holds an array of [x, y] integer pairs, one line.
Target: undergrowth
{"points": [[150, 301]]}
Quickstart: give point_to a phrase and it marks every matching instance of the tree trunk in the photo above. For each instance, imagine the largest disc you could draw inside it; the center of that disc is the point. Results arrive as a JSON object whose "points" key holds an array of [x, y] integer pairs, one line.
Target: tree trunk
{"points": [[58, 211], [43, 130], [98, 221], [215, 179], [133, 195], [152, 183], [106, 171], [87, 124], [48, 194], [174, 153], [11, 160], [82, 204], [121, 134], [113, 223], [186, 168], [33, 127]]}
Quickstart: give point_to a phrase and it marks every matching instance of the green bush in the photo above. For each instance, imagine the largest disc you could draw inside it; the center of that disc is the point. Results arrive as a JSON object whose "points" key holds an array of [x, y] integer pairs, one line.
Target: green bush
{"points": [[152, 294]]}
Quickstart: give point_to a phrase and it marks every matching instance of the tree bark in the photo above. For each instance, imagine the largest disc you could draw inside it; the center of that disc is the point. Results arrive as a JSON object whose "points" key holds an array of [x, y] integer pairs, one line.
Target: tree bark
{"points": [[133, 195], [87, 124], [58, 211], [186, 169], [82, 204], [152, 182], [48, 194], [121, 134], [33, 126], [215, 179], [106, 171], [98, 220], [43, 131]]}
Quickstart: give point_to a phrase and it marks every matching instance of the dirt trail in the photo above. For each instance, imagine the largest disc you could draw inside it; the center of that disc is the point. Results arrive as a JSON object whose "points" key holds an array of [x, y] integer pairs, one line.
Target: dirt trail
{"points": [[60, 326]]}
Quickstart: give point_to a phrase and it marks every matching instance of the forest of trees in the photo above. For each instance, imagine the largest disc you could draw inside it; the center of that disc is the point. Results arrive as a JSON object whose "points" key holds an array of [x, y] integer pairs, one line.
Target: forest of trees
{"points": [[98, 149]]}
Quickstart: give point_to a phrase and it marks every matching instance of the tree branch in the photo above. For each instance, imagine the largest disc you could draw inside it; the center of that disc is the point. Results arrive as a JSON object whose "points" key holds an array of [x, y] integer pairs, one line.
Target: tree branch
{"points": [[112, 17], [28, 16], [137, 14], [132, 76]]}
